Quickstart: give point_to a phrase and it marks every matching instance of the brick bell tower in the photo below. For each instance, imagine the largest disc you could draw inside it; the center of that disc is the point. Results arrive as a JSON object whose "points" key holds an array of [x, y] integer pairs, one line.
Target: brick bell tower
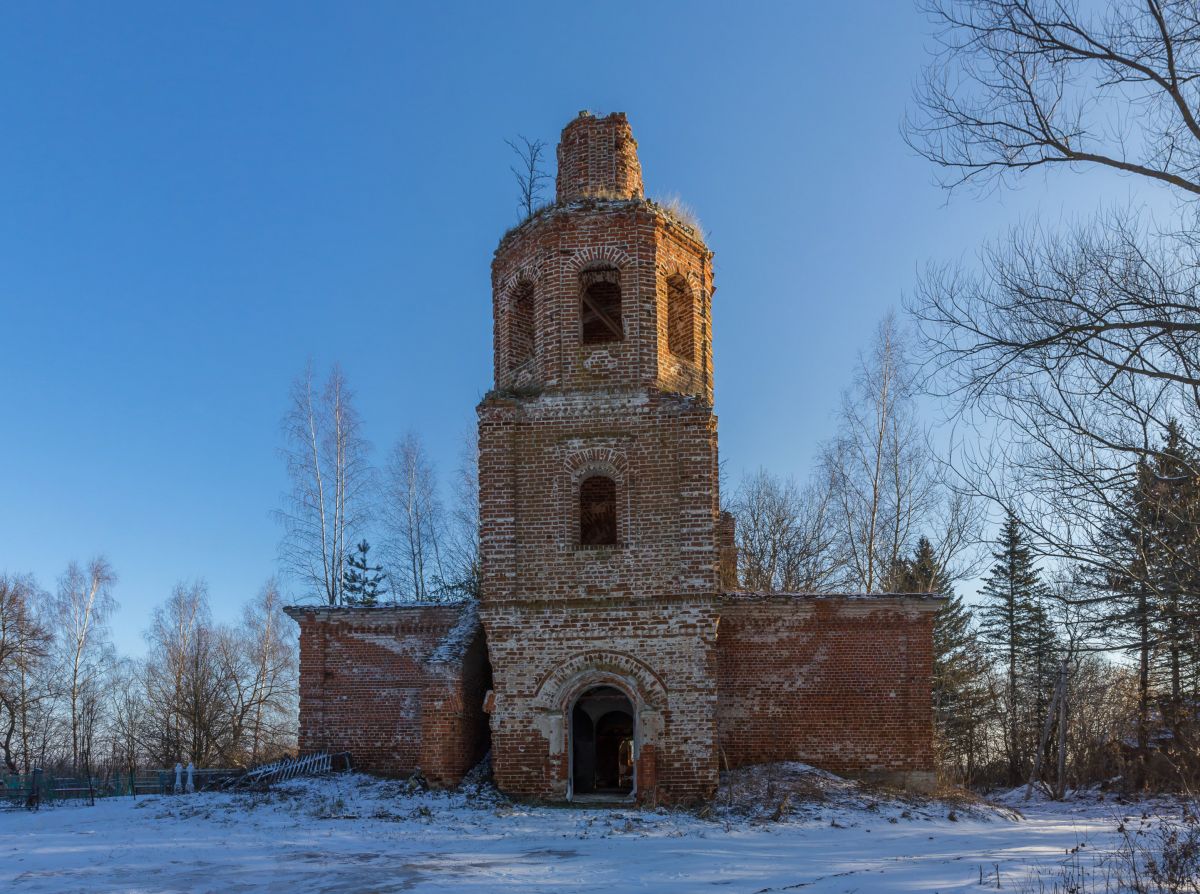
{"points": [[598, 490]]}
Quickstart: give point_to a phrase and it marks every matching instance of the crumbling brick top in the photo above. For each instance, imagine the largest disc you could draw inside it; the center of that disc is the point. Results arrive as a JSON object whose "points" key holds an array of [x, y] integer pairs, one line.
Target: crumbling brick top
{"points": [[597, 157]]}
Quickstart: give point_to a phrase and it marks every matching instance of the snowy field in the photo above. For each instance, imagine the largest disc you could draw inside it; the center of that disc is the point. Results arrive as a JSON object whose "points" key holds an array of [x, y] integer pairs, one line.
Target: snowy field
{"points": [[354, 834]]}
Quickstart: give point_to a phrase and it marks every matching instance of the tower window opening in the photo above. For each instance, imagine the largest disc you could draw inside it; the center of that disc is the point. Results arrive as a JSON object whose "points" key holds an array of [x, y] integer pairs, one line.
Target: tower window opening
{"points": [[680, 325], [520, 326], [600, 314], [598, 511]]}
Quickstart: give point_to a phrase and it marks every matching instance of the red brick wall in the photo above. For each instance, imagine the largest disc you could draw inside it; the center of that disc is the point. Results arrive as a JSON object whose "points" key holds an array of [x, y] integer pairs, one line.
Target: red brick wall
{"points": [[839, 682], [398, 687]]}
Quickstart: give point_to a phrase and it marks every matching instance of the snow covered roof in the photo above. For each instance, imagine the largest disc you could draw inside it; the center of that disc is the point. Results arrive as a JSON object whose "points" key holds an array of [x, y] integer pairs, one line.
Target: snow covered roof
{"points": [[749, 595], [364, 611], [456, 642]]}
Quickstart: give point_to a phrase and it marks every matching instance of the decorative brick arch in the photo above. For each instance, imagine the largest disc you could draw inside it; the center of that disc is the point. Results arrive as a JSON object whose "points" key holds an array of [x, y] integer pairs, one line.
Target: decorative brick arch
{"points": [[558, 689], [532, 271], [598, 459], [599, 256], [694, 281]]}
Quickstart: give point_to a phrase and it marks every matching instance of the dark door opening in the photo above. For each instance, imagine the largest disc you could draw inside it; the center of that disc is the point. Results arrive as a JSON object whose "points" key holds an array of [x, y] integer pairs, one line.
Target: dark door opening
{"points": [[602, 743]]}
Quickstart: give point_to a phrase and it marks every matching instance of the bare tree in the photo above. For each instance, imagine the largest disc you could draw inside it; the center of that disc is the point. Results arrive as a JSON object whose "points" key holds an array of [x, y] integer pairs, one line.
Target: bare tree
{"points": [[1020, 84], [1070, 353], [886, 486], [188, 688], [259, 659], [529, 172], [413, 521], [327, 463], [785, 536], [214, 694], [24, 642], [462, 536], [126, 711], [82, 605]]}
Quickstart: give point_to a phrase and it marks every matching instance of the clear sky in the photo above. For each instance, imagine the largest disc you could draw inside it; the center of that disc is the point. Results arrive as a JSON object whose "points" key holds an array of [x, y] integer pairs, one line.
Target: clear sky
{"points": [[197, 198]]}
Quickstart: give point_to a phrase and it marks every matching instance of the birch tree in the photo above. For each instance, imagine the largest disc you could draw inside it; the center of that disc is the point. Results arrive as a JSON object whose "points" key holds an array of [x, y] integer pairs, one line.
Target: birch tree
{"points": [[414, 523], [82, 606], [884, 480], [327, 460], [187, 687]]}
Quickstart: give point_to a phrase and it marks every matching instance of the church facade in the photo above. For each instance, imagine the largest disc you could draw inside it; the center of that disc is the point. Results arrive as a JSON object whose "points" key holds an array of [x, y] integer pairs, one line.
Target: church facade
{"points": [[611, 654]]}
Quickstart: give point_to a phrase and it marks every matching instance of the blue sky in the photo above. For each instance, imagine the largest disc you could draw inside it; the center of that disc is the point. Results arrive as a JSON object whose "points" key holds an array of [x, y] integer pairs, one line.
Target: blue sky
{"points": [[195, 199]]}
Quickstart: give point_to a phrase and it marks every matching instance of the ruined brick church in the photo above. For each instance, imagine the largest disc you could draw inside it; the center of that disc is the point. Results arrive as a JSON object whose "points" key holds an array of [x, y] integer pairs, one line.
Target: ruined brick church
{"points": [[611, 653]]}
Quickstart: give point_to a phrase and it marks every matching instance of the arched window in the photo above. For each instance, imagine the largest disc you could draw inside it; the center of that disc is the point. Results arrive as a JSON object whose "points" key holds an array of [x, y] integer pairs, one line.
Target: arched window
{"points": [[680, 327], [600, 313], [597, 511], [520, 325]]}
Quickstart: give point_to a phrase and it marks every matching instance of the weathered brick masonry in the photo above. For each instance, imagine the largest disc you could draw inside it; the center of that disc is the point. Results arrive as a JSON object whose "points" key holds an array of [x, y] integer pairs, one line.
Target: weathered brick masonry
{"points": [[841, 682], [619, 661], [397, 687]]}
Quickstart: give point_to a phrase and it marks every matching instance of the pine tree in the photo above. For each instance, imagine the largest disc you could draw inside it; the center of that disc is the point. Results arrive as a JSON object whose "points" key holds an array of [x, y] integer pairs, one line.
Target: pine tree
{"points": [[361, 581], [1016, 630], [1151, 584], [960, 694], [1174, 510]]}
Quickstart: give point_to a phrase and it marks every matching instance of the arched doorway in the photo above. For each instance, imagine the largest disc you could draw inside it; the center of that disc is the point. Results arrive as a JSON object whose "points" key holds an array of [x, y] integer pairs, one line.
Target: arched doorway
{"points": [[602, 744]]}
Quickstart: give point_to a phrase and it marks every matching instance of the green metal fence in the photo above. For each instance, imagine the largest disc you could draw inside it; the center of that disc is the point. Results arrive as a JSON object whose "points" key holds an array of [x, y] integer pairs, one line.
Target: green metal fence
{"points": [[51, 788]]}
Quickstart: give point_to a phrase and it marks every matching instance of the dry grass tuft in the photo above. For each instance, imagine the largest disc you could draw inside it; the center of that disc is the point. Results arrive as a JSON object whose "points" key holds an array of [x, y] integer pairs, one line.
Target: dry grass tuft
{"points": [[681, 211]]}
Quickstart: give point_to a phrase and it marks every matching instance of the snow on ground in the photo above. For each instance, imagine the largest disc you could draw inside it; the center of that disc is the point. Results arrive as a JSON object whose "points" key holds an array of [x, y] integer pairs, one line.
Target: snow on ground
{"points": [[355, 834]]}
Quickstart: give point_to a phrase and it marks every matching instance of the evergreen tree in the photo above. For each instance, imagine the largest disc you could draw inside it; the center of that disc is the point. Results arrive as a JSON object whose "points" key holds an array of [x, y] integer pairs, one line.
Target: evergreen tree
{"points": [[1016, 630], [1174, 511], [1150, 585], [361, 581], [960, 693]]}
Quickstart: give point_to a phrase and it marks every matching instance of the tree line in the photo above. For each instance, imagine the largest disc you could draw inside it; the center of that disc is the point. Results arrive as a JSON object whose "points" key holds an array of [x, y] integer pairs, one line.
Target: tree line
{"points": [[887, 512], [216, 694], [1067, 357], [1071, 356]]}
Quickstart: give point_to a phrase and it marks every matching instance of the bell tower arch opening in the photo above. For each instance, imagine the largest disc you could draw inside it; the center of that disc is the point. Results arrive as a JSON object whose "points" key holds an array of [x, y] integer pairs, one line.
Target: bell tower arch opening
{"points": [[600, 308], [603, 744], [521, 339], [681, 326]]}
